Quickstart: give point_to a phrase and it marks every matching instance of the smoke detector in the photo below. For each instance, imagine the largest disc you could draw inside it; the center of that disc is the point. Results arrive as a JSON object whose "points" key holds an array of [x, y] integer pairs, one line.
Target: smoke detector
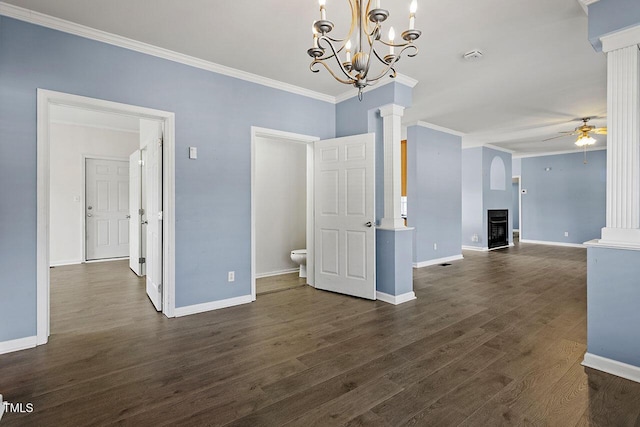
{"points": [[473, 55]]}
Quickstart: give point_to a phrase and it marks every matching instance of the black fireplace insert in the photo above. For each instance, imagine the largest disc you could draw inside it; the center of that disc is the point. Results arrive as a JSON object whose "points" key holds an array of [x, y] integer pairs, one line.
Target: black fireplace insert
{"points": [[498, 220]]}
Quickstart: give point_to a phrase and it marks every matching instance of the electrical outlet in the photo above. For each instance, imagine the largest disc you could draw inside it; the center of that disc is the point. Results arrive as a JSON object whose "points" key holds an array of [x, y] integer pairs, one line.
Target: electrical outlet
{"points": [[475, 238], [566, 234], [435, 246], [232, 276]]}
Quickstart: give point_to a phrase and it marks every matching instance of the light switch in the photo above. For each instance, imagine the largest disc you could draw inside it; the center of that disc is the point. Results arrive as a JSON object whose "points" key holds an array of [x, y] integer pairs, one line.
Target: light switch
{"points": [[193, 153]]}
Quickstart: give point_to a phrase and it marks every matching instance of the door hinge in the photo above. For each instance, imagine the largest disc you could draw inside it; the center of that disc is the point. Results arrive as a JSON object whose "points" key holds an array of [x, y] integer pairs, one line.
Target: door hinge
{"points": [[141, 162], [140, 211], [142, 260], [160, 140], [160, 288]]}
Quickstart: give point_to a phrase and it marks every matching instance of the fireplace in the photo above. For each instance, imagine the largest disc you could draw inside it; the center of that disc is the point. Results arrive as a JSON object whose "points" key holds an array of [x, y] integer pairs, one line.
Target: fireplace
{"points": [[498, 220]]}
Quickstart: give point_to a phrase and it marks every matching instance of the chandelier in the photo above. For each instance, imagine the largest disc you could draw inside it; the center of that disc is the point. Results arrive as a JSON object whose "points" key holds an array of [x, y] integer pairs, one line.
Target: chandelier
{"points": [[366, 25]]}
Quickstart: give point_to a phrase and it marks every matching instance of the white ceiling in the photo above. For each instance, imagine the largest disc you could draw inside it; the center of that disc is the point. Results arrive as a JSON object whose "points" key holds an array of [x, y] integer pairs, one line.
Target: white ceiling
{"points": [[539, 74]]}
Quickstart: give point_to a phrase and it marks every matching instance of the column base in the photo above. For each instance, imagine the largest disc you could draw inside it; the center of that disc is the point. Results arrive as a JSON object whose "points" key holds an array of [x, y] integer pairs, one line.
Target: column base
{"points": [[620, 236]]}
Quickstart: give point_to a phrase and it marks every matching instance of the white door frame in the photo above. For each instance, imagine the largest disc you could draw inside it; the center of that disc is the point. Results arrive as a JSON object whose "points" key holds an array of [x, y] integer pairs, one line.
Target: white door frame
{"points": [[46, 98], [519, 205], [258, 132], [84, 201]]}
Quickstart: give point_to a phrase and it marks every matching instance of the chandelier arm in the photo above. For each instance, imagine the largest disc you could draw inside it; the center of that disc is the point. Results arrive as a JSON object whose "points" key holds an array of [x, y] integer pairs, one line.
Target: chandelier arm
{"points": [[318, 61], [388, 67], [335, 54]]}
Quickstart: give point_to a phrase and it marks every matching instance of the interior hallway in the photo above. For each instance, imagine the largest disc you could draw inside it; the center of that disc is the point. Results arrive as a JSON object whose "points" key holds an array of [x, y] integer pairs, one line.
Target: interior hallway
{"points": [[496, 339]]}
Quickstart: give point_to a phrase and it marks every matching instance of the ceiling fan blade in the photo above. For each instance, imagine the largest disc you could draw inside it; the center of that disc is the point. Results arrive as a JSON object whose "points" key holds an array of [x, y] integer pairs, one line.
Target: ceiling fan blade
{"points": [[600, 131], [556, 137]]}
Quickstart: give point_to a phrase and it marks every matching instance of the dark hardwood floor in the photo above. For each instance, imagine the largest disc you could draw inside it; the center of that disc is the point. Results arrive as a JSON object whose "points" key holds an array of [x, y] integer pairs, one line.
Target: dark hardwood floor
{"points": [[495, 339], [279, 283]]}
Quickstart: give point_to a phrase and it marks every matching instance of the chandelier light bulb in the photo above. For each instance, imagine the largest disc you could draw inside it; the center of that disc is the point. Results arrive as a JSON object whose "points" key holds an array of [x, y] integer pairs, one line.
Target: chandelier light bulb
{"points": [[392, 36], [323, 11], [412, 14], [348, 48], [377, 4]]}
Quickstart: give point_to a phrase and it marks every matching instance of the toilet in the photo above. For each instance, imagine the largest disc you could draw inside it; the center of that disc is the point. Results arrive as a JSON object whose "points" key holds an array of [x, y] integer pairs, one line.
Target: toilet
{"points": [[299, 256]]}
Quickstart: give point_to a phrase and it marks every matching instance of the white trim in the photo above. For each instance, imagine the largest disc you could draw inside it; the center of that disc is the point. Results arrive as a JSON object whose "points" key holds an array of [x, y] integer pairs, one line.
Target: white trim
{"points": [[277, 273], [94, 261], [47, 21], [519, 206], [213, 305], [45, 98], [620, 39], [66, 262], [395, 299], [516, 229], [17, 345], [495, 147], [474, 248], [555, 153], [94, 126], [599, 243], [437, 261], [436, 127], [613, 367], [259, 132], [400, 78], [548, 243], [585, 4], [1, 407], [485, 249]]}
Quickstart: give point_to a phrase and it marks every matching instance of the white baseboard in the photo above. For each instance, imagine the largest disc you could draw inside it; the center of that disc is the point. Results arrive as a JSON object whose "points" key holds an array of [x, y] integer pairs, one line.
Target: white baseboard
{"points": [[63, 263], [437, 261], [17, 345], [516, 230], [612, 367], [474, 248], [93, 261], [213, 305], [545, 242], [395, 299], [277, 273]]}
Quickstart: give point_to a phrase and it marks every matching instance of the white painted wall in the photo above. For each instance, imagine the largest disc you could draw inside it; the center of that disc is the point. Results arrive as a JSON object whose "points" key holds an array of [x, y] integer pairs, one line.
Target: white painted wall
{"points": [[281, 199], [68, 145]]}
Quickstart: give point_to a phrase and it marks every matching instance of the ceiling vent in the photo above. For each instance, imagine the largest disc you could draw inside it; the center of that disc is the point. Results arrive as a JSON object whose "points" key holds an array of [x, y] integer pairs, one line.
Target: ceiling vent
{"points": [[473, 55]]}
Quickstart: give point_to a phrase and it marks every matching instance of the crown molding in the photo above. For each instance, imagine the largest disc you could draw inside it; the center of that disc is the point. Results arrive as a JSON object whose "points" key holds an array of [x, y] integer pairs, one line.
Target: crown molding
{"points": [[585, 4], [436, 127], [554, 153], [495, 147], [399, 78], [48, 21]]}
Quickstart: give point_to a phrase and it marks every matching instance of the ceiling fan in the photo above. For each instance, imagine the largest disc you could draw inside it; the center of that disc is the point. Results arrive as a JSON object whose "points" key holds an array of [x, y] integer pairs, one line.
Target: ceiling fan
{"points": [[583, 132]]}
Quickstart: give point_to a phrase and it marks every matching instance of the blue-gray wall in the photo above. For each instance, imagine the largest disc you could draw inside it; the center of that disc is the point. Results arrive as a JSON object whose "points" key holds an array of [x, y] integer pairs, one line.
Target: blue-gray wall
{"points": [[213, 112], [496, 199], [477, 195], [434, 192], [472, 197], [515, 206], [516, 167], [607, 16], [613, 293], [571, 197]]}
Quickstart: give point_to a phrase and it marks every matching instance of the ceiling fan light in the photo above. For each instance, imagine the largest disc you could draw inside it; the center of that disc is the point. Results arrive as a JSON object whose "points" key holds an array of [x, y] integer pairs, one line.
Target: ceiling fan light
{"points": [[584, 140]]}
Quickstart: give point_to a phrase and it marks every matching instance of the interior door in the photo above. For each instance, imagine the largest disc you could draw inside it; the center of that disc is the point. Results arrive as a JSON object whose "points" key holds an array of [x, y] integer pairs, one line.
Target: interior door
{"points": [[106, 209], [344, 180], [153, 214], [135, 213]]}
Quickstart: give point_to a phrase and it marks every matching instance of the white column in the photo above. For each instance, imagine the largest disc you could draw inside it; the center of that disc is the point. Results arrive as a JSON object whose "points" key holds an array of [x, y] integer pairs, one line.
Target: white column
{"points": [[392, 127], [623, 146]]}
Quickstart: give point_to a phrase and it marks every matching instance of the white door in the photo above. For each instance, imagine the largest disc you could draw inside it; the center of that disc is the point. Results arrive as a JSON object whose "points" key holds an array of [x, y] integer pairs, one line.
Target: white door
{"points": [[153, 222], [344, 181], [106, 209], [135, 213]]}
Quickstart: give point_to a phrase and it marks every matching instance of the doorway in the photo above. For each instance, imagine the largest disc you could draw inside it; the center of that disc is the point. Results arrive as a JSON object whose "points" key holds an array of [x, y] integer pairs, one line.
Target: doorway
{"points": [[46, 101], [282, 274]]}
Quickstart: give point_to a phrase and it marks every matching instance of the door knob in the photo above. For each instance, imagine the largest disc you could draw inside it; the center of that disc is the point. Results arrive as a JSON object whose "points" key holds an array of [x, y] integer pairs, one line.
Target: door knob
{"points": [[145, 222], [369, 224], [89, 214]]}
